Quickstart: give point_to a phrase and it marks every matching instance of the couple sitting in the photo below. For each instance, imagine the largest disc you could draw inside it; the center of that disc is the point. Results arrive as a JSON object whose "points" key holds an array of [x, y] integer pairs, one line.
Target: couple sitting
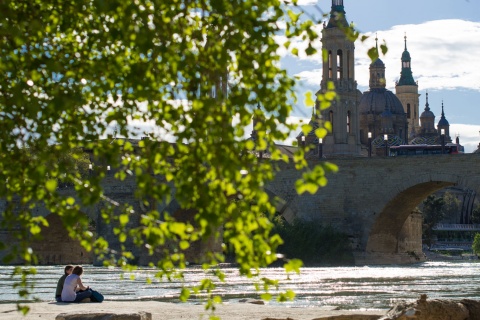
{"points": [[71, 289]]}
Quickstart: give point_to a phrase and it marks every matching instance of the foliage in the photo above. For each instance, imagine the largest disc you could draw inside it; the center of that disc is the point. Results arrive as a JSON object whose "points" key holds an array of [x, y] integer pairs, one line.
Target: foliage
{"points": [[432, 213], [476, 244], [313, 243], [452, 207], [196, 72], [476, 214], [74, 70]]}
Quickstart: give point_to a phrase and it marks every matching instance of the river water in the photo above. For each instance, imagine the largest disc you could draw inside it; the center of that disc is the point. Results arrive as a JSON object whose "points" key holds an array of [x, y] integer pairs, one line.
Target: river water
{"points": [[360, 288]]}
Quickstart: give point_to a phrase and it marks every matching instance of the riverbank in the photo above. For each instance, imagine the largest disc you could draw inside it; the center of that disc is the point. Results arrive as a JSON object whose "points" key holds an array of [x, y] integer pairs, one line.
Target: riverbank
{"points": [[174, 311]]}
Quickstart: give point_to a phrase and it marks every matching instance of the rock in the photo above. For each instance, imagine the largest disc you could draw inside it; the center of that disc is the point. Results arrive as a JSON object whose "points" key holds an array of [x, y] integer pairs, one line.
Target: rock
{"points": [[424, 309], [252, 301], [473, 307], [349, 317], [105, 316]]}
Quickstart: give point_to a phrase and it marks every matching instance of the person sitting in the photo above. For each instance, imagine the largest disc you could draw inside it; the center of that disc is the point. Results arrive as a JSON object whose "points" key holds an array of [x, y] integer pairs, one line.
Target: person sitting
{"points": [[61, 281], [73, 288]]}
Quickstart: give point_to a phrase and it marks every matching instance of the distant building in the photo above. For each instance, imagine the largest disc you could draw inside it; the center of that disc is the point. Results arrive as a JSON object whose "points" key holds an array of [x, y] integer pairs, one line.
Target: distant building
{"points": [[359, 119]]}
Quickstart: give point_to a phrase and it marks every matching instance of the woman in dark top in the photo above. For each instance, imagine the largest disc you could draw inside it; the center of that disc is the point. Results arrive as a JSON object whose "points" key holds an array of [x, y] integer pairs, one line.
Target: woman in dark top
{"points": [[61, 281]]}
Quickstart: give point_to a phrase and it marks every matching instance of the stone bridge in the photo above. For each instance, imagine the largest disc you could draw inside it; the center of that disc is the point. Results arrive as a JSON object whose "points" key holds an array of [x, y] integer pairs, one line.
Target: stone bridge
{"points": [[373, 199], [370, 199]]}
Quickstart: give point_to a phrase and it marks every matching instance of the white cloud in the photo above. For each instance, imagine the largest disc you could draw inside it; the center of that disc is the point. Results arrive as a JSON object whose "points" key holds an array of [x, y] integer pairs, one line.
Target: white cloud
{"points": [[444, 55], [442, 51], [306, 2], [469, 135], [311, 77]]}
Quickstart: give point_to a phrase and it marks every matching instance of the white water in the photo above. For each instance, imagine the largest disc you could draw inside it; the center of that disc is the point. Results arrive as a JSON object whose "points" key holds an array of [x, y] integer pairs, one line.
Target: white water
{"points": [[374, 287]]}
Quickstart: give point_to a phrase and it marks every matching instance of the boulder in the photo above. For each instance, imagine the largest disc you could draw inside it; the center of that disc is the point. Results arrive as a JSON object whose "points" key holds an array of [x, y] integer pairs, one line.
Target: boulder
{"points": [[105, 316], [349, 317], [428, 310], [473, 307], [252, 301]]}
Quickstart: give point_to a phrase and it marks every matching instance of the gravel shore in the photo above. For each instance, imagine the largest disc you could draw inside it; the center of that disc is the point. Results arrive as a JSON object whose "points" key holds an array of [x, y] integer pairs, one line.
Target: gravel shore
{"points": [[173, 311]]}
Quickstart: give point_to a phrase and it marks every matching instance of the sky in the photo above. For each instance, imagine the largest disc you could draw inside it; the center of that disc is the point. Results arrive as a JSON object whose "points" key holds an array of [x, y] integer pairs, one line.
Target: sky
{"points": [[443, 38]]}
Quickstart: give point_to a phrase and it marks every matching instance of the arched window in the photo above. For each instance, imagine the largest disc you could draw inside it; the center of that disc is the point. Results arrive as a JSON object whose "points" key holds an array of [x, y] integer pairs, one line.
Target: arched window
{"points": [[330, 67], [349, 76], [330, 118], [408, 111], [348, 121], [339, 64]]}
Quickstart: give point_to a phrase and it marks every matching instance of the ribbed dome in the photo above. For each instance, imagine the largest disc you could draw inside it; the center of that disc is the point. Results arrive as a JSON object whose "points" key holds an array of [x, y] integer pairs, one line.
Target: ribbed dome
{"points": [[375, 100], [427, 114], [443, 122]]}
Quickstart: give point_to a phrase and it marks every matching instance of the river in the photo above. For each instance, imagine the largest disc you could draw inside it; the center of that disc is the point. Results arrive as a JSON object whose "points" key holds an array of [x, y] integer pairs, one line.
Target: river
{"points": [[354, 288]]}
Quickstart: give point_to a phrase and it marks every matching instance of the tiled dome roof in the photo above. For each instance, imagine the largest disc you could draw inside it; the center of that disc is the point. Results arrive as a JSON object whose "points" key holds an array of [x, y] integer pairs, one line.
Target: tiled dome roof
{"points": [[375, 100]]}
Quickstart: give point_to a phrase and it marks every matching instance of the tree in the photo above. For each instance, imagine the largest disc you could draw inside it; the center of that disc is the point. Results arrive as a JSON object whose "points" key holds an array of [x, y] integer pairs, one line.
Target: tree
{"points": [[476, 214], [432, 213], [476, 244], [72, 71], [452, 207]]}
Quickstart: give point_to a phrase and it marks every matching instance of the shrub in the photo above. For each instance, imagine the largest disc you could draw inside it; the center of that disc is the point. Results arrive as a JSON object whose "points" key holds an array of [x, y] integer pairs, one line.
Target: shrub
{"points": [[313, 243]]}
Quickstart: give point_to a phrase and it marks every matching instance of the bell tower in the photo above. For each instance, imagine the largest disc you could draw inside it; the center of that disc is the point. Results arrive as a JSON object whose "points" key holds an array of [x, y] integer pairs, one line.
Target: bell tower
{"points": [[339, 68], [406, 90]]}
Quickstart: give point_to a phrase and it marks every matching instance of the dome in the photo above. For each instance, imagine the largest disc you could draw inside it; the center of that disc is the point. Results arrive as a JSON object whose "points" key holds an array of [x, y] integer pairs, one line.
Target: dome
{"points": [[443, 122], [375, 100], [427, 114], [378, 63], [406, 56]]}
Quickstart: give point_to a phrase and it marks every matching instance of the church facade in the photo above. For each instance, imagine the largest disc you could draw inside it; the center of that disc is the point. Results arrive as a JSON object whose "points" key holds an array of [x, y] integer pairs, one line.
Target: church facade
{"points": [[377, 116]]}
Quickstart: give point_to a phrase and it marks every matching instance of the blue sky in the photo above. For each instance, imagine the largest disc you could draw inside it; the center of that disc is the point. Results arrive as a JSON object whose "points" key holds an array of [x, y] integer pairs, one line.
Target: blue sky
{"points": [[443, 38]]}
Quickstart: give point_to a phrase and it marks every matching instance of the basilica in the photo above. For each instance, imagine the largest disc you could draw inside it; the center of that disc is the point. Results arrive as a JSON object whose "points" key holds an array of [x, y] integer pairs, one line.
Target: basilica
{"points": [[377, 118]]}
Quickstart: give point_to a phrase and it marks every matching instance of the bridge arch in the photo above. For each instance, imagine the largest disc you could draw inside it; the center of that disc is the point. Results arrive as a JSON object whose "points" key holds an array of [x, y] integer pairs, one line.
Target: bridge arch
{"points": [[384, 234]]}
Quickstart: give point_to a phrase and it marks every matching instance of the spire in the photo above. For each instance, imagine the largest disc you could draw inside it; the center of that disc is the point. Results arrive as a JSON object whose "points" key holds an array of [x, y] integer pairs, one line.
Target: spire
{"points": [[427, 108], [443, 122], [406, 77], [337, 15], [377, 71]]}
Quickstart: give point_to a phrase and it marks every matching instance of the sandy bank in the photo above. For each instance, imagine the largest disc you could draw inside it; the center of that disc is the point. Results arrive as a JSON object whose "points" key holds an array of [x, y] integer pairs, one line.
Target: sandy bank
{"points": [[172, 311]]}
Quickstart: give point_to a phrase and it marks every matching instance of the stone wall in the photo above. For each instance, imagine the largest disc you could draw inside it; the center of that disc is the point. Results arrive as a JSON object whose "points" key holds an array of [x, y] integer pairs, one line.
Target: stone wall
{"points": [[370, 199]]}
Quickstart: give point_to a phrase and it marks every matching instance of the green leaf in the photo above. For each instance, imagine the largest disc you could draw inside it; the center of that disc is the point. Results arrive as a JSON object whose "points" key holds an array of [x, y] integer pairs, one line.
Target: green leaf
{"points": [[184, 294], [51, 185], [266, 296], [70, 201], [293, 265], [309, 101]]}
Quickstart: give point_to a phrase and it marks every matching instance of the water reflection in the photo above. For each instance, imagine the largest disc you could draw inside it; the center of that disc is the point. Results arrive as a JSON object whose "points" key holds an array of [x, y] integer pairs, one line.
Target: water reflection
{"points": [[375, 287]]}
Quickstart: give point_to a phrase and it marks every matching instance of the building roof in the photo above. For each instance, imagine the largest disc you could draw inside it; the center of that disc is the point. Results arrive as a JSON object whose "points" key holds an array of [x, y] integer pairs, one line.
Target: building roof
{"points": [[337, 15], [427, 113], [376, 100], [443, 121], [406, 76]]}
